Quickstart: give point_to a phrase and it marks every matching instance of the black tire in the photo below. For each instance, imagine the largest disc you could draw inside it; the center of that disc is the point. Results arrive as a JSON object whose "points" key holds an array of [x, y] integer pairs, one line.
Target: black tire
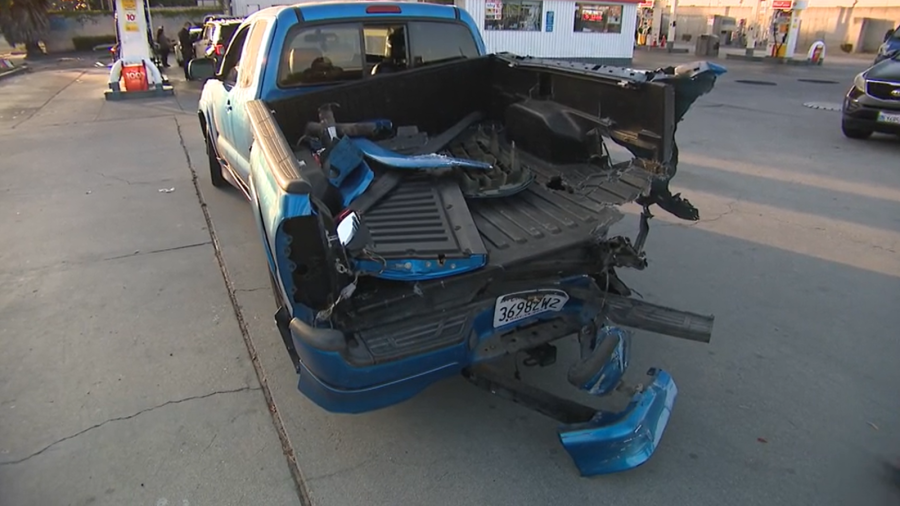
{"points": [[855, 133], [215, 168]]}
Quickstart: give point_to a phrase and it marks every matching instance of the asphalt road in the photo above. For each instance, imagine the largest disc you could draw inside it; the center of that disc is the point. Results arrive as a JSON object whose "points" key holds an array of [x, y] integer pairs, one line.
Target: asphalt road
{"points": [[794, 402]]}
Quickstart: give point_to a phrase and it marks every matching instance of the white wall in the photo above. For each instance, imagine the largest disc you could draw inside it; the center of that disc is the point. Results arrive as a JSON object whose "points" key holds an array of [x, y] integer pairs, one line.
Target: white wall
{"points": [[810, 3], [562, 42]]}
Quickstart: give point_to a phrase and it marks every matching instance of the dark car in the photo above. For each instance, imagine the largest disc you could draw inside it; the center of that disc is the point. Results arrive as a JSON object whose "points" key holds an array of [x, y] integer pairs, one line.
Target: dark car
{"points": [[873, 102], [891, 44], [217, 33]]}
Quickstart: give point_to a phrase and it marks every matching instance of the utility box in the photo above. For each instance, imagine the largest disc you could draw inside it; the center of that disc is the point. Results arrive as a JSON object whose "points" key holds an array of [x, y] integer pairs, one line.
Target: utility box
{"points": [[707, 45]]}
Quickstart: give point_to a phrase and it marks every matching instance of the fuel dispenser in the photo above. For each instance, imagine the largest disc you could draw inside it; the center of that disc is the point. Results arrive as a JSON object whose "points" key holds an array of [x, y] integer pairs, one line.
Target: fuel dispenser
{"points": [[785, 27], [134, 73], [780, 27]]}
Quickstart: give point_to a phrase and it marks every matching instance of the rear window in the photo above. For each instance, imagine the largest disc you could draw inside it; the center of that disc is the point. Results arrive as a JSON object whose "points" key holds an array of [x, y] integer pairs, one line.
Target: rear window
{"points": [[322, 54], [349, 51]]}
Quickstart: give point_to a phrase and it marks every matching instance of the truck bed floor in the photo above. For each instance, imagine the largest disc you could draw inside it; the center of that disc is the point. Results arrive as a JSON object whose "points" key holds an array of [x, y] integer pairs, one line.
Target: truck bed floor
{"points": [[426, 216]]}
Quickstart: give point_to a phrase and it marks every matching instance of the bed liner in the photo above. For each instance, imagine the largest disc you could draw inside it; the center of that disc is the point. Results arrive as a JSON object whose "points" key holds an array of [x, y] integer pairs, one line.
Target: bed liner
{"points": [[558, 211]]}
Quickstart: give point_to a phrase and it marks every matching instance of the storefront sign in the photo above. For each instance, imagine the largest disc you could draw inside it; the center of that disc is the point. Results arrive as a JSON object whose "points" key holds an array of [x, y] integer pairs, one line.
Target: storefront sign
{"points": [[493, 10], [783, 5], [132, 30], [548, 23]]}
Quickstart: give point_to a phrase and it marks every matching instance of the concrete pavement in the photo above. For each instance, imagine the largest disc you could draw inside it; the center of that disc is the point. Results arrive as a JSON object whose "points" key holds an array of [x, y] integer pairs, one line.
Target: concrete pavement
{"points": [[794, 401], [124, 378]]}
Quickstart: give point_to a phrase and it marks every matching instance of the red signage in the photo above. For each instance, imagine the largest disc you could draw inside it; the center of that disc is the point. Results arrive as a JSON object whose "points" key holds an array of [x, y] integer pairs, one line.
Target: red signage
{"points": [[592, 16], [783, 5]]}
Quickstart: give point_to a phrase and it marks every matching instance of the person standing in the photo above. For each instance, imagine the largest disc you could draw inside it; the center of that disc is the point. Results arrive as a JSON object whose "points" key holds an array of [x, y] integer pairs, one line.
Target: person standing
{"points": [[187, 48], [165, 47]]}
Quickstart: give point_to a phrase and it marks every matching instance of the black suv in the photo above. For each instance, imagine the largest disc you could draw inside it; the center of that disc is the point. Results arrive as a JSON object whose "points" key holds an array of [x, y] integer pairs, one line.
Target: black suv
{"points": [[217, 33], [873, 102]]}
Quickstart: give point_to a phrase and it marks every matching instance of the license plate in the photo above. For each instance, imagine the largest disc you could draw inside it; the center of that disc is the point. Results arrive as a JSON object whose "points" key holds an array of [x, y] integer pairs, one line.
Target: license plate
{"points": [[513, 307], [885, 117]]}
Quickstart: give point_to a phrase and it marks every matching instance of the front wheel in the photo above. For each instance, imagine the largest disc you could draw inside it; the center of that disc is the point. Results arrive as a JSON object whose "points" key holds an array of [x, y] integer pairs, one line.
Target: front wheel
{"points": [[855, 133], [215, 167]]}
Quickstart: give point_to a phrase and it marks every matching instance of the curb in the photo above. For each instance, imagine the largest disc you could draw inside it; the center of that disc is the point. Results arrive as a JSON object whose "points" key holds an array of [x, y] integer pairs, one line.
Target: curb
{"points": [[772, 60], [662, 49], [13, 70]]}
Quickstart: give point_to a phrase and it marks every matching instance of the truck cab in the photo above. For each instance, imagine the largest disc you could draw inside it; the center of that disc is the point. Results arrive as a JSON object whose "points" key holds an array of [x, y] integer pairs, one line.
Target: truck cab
{"points": [[282, 51]]}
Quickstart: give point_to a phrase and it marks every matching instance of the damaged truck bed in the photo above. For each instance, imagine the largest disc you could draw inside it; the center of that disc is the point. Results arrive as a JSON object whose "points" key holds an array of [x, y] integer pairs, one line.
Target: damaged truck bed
{"points": [[427, 215], [425, 224]]}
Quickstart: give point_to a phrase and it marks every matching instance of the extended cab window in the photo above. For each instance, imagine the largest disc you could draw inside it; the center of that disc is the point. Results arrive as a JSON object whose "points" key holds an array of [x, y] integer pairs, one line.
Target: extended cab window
{"points": [[434, 42], [333, 53], [251, 53]]}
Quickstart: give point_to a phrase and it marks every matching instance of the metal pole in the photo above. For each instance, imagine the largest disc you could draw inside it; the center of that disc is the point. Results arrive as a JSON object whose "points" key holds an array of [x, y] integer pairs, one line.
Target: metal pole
{"points": [[753, 29], [673, 18]]}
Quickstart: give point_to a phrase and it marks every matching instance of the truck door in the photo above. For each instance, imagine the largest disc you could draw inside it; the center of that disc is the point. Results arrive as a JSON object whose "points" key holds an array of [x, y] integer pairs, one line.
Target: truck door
{"points": [[246, 89], [224, 92]]}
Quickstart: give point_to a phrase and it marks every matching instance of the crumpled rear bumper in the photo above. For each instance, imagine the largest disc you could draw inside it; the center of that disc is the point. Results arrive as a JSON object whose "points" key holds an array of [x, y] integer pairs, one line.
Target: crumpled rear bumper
{"points": [[614, 442]]}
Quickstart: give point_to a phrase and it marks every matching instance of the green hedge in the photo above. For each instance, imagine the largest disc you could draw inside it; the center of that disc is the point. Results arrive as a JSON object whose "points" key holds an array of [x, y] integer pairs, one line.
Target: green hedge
{"points": [[88, 43]]}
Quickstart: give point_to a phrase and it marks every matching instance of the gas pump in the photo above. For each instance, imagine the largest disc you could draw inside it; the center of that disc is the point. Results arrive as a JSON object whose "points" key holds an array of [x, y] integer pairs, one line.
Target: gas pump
{"points": [[134, 73], [644, 22], [779, 28], [785, 27]]}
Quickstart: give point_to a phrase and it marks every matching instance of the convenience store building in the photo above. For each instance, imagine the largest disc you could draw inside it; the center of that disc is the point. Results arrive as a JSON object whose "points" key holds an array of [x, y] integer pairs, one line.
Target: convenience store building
{"points": [[602, 32]]}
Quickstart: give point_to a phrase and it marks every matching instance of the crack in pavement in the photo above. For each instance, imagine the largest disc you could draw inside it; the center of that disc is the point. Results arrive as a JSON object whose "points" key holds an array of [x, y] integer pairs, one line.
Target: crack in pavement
{"points": [[164, 250], [128, 417], [126, 181], [66, 264], [39, 108], [286, 447], [248, 290]]}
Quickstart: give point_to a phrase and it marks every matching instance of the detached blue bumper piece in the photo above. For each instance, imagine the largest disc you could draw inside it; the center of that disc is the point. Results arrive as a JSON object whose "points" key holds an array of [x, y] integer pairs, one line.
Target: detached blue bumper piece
{"points": [[614, 442]]}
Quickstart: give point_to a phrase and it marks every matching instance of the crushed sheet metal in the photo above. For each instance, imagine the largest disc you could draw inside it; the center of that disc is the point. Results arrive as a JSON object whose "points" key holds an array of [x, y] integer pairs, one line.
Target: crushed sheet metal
{"points": [[825, 106]]}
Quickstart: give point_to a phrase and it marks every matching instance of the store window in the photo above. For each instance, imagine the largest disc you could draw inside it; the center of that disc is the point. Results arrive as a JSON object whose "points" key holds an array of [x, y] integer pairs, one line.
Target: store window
{"points": [[516, 15], [598, 18]]}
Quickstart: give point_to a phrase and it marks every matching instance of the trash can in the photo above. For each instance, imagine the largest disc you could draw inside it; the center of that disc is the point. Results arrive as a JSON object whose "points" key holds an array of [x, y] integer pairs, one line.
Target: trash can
{"points": [[707, 45]]}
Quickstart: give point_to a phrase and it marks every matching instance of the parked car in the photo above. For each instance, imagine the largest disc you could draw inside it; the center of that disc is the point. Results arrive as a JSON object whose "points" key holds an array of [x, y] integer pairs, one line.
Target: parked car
{"points": [[891, 44], [873, 102], [426, 209], [215, 36], [196, 32]]}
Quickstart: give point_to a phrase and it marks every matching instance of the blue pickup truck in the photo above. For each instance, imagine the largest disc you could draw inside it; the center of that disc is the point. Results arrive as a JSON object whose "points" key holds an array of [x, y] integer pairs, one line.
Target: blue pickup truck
{"points": [[429, 210]]}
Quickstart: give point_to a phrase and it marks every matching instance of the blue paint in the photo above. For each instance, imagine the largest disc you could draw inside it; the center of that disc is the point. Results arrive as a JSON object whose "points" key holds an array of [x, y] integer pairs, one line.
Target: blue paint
{"points": [[615, 442], [548, 22], [395, 160], [419, 270], [607, 378]]}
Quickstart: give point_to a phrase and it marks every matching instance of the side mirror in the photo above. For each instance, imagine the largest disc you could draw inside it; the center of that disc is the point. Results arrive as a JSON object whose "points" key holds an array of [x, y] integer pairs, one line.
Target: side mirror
{"points": [[347, 228], [201, 69], [352, 232]]}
